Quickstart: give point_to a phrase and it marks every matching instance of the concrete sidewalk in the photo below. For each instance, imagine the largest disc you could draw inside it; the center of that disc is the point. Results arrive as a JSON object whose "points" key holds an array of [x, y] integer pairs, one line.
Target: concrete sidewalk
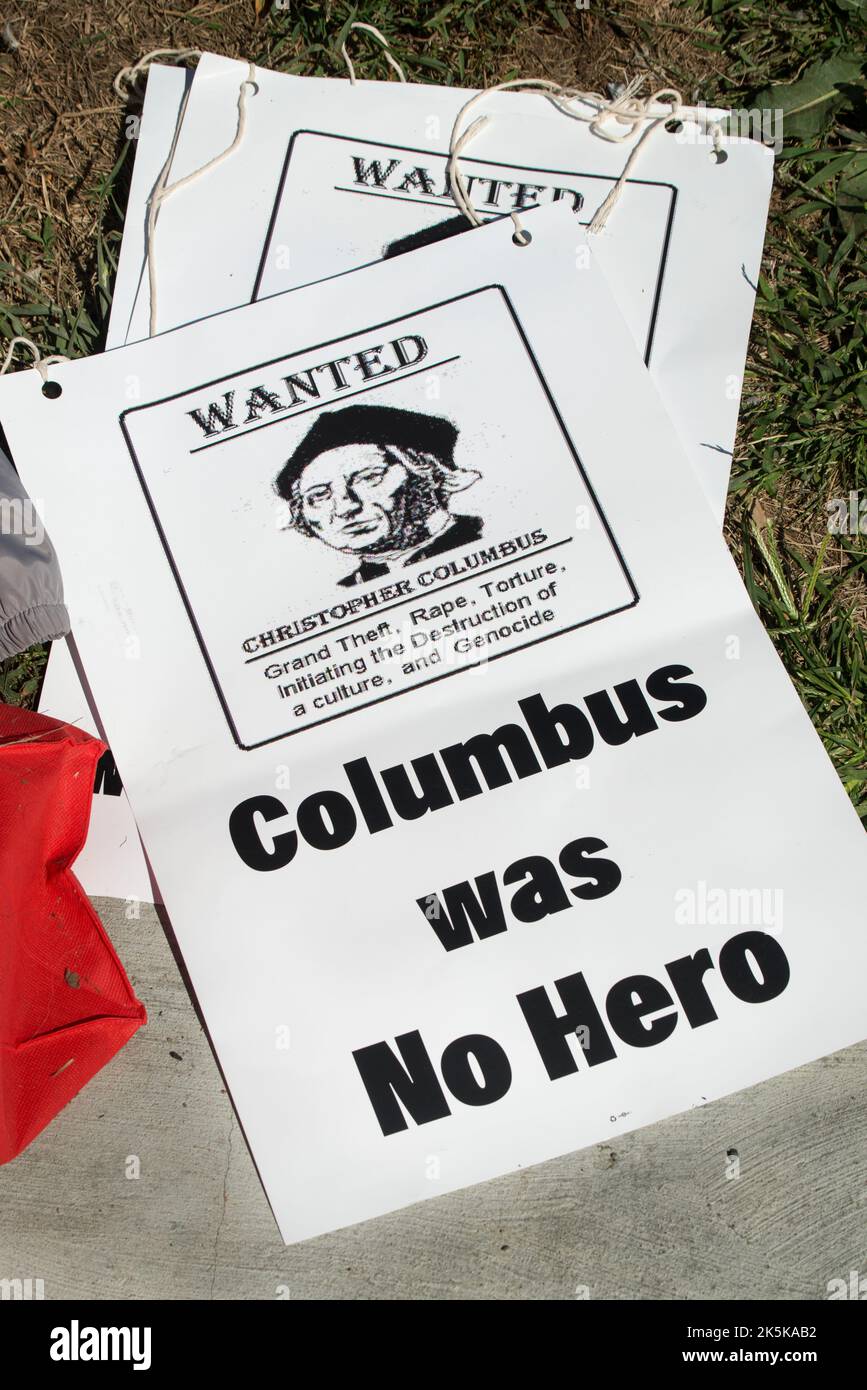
{"points": [[651, 1215]]}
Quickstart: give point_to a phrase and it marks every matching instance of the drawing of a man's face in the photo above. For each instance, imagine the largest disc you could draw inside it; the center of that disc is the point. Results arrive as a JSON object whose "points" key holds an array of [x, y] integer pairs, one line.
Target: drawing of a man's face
{"points": [[354, 498], [375, 482]]}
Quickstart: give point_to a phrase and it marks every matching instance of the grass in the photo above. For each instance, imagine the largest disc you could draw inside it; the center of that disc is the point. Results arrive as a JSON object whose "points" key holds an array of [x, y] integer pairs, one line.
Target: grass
{"points": [[801, 440]]}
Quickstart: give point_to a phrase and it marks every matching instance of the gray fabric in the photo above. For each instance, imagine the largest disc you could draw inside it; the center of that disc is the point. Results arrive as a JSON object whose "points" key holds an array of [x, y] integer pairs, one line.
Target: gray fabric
{"points": [[31, 589]]}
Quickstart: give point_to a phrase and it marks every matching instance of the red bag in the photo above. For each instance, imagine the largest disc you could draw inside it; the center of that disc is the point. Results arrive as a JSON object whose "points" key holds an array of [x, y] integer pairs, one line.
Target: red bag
{"points": [[66, 1005]]}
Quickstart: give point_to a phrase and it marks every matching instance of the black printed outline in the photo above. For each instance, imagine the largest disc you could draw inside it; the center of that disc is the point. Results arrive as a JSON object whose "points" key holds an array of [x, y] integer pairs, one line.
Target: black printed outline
{"points": [[494, 163], [315, 347]]}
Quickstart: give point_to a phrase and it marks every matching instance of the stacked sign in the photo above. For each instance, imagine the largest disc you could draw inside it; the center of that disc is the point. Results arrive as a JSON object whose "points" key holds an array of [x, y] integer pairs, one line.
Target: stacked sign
{"points": [[471, 781]]}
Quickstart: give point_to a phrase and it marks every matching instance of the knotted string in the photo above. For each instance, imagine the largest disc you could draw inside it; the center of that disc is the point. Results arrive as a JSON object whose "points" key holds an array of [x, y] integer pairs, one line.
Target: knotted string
{"points": [[125, 80], [40, 363], [615, 119]]}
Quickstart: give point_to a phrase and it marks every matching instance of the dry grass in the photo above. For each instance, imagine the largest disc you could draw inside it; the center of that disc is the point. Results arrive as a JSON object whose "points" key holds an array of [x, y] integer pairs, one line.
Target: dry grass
{"points": [[615, 42], [62, 128]]}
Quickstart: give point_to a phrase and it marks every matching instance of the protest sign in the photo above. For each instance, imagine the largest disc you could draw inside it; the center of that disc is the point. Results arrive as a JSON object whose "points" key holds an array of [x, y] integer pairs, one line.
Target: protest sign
{"points": [[488, 822]]}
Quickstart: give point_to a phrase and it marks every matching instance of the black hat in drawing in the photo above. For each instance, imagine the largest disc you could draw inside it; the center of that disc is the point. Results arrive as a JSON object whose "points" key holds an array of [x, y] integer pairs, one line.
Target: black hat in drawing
{"points": [[380, 425]]}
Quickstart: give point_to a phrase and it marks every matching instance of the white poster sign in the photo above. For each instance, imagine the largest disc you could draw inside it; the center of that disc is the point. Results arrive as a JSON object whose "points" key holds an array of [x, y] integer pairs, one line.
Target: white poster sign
{"points": [[552, 878]]}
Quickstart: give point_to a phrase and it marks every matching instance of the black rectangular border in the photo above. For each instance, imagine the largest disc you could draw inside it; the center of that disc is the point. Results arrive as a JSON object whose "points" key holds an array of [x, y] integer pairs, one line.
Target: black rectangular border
{"points": [[492, 163], [315, 347]]}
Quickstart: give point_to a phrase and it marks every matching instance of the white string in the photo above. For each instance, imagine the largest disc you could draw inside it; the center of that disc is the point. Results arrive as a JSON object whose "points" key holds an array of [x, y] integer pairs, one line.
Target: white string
{"points": [[126, 79], [616, 119], [161, 192], [389, 56], [602, 213], [40, 363], [8, 38], [458, 185]]}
